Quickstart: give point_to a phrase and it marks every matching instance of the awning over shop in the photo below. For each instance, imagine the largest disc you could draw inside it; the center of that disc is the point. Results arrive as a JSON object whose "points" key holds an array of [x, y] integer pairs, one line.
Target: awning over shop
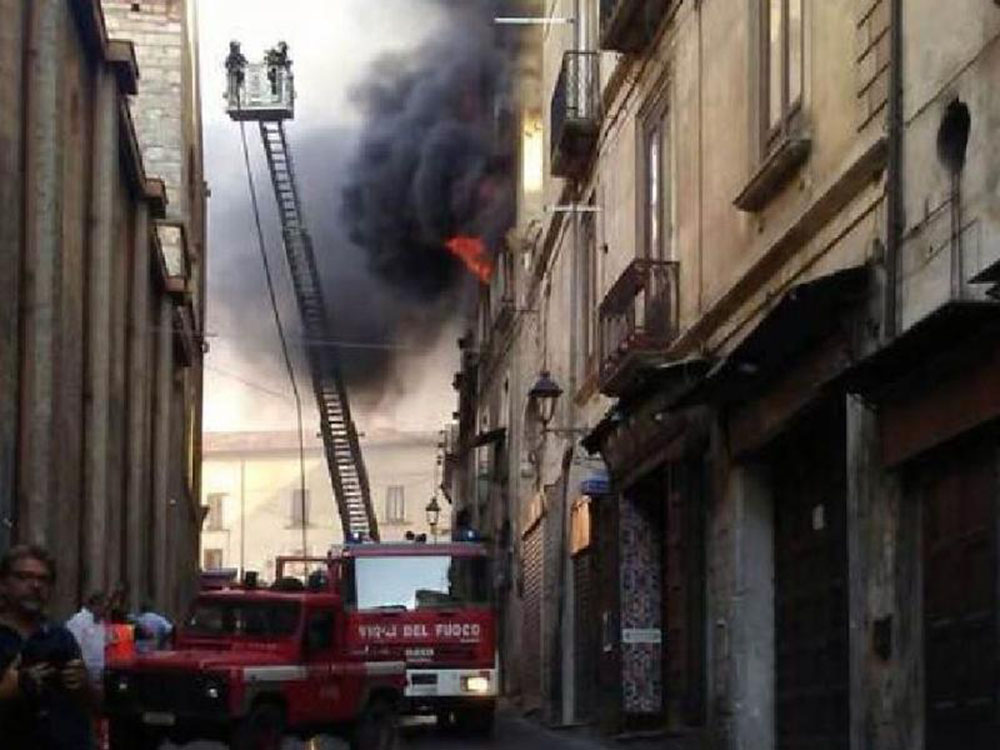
{"points": [[936, 381], [804, 317], [644, 429], [960, 325], [598, 483], [669, 382]]}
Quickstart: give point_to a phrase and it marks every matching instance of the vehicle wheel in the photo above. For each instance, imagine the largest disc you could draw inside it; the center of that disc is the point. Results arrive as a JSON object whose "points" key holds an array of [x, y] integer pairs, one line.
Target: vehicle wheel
{"points": [[478, 721], [378, 727], [131, 735], [263, 729]]}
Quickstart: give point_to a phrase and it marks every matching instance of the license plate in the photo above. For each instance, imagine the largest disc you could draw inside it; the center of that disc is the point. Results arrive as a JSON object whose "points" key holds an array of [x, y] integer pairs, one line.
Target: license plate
{"points": [[158, 719]]}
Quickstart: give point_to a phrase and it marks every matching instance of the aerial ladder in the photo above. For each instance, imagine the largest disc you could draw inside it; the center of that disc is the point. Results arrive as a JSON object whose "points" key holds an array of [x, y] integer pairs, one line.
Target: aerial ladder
{"points": [[265, 93]]}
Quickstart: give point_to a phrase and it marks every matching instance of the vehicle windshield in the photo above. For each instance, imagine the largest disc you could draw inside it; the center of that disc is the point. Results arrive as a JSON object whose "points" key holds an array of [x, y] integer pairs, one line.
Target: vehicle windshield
{"points": [[263, 620], [424, 582]]}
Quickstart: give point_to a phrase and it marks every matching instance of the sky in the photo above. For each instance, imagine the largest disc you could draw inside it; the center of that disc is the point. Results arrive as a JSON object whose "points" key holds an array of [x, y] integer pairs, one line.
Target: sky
{"points": [[333, 43]]}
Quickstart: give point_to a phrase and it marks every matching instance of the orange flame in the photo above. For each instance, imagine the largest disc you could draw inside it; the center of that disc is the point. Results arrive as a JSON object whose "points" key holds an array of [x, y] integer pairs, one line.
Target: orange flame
{"points": [[473, 253]]}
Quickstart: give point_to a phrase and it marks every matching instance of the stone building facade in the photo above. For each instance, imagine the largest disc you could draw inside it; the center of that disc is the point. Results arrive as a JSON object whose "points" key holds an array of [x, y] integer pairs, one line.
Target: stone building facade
{"points": [[756, 248], [101, 354], [167, 114]]}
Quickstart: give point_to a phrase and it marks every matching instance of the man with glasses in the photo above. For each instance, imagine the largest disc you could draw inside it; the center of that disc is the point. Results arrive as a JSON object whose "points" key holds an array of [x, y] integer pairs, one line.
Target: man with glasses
{"points": [[43, 688]]}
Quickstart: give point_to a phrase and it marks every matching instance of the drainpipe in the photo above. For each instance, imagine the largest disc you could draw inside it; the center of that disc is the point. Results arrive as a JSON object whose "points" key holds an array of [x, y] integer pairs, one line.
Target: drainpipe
{"points": [[13, 34], [558, 662], [894, 187]]}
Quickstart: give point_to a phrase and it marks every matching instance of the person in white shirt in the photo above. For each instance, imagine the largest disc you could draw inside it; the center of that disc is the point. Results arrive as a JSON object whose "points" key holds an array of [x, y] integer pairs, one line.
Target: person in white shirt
{"points": [[90, 630]]}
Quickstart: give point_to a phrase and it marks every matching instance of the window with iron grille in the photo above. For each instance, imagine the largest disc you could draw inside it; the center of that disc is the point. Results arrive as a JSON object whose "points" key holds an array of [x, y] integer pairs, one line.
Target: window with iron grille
{"points": [[300, 508], [395, 504], [213, 521]]}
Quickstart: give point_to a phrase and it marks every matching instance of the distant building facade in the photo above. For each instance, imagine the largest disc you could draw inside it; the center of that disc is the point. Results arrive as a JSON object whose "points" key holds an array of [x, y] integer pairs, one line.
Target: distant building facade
{"points": [[100, 319], [758, 250], [252, 493]]}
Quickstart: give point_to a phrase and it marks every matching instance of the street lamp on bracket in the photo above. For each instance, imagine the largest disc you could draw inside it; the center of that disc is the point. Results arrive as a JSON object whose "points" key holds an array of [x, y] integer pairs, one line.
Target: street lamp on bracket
{"points": [[433, 511], [544, 394]]}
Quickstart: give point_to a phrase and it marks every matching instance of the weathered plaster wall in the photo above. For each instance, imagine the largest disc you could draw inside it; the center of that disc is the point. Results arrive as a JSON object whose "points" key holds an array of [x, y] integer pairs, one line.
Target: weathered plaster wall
{"points": [[953, 54]]}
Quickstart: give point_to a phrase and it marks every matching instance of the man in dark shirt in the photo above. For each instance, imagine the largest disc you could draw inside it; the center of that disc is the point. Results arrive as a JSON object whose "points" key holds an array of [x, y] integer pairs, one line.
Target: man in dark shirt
{"points": [[43, 681]]}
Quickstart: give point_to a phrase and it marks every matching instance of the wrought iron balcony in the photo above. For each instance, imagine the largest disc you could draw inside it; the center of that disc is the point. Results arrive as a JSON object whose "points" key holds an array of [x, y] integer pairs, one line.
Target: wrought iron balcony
{"points": [[630, 25], [638, 320], [576, 113]]}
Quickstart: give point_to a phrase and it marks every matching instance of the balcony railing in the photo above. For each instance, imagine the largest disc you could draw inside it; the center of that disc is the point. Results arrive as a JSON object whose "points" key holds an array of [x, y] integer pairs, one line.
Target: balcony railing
{"points": [[638, 320], [576, 113], [630, 25]]}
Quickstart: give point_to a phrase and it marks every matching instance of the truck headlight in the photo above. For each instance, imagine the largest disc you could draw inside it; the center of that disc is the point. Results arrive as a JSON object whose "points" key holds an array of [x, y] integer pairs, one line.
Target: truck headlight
{"points": [[476, 684]]}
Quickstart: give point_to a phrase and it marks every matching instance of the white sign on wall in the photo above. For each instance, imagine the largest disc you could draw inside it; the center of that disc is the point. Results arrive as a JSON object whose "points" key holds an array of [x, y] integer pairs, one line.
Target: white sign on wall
{"points": [[642, 635]]}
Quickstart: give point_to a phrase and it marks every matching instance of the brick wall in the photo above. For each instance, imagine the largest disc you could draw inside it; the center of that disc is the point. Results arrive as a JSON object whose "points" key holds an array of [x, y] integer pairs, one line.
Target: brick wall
{"points": [[159, 109], [872, 46]]}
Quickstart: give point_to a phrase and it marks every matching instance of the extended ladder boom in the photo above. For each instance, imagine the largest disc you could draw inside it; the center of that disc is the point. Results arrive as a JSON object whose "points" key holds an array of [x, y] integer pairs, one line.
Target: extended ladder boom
{"points": [[340, 436], [270, 102]]}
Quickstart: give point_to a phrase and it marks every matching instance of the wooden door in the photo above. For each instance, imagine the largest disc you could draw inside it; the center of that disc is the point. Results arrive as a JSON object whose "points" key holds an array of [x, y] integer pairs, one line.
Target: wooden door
{"points": [[960, 598], [684, 594], [811, 624]]}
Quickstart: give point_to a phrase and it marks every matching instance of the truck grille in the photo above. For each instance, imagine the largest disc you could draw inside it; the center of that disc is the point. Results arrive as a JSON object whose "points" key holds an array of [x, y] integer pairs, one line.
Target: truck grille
{"points": [[455, 653], [166, 692], [163, 692]]}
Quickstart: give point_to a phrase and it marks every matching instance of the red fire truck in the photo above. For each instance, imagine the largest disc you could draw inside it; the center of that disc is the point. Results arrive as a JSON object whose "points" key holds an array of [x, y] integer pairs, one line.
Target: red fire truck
{"points": [[250, 665], [430, 606]]}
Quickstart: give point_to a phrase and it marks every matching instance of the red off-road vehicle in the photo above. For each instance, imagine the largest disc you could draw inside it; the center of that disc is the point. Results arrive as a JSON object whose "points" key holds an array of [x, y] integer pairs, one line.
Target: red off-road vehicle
{"points": [[252, 665]]}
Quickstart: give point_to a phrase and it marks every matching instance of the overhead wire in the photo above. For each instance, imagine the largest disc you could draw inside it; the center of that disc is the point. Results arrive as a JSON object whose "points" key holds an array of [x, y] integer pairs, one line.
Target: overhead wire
{"points": [[247, 382]]}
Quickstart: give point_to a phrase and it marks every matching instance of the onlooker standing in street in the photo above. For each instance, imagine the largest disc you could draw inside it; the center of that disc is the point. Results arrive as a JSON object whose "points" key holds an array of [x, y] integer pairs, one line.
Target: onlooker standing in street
{"points": [[43, 690], [89, 627], [118, 603], [152, 629], [121, 632]]}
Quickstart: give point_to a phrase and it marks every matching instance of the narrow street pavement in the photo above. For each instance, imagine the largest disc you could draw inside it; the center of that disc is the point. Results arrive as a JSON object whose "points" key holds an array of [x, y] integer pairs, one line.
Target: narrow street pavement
{"points": [[512, 733]]}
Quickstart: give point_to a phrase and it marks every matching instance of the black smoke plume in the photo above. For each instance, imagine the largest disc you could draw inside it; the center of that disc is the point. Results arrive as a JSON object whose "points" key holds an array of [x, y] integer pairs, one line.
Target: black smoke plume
{"points": [[432, 162], [371, 327], [425, 164]]}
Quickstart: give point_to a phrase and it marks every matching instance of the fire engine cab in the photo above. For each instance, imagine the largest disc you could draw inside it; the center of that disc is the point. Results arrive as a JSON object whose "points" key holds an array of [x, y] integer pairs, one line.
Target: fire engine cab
{"points": [[251, 665], [430, 606]]}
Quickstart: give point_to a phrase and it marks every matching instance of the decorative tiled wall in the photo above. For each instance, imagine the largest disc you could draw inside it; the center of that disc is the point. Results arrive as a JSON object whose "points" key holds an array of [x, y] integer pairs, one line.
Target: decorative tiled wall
{"points": [[642, 608]]}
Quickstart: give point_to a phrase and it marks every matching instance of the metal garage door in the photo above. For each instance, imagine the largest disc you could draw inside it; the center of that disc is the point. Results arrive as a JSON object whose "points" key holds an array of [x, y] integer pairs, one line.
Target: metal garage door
{"points": [[960, 599], [684, 601], [531, 653], [586, 642], [811, 631]]}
